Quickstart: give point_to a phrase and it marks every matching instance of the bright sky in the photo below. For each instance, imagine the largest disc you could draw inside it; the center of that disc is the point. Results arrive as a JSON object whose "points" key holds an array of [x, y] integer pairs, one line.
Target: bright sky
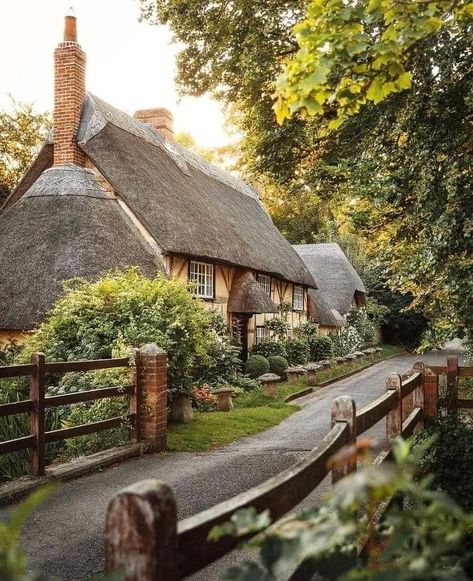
{"points": [[129, 64]]}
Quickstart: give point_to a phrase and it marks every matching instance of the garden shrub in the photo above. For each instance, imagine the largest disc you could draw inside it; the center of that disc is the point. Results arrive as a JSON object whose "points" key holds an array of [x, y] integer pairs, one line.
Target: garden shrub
{"points": [[256, 365], [278, 365], [203, 399], [346, 340], [449, 458], [126, 309], [277, 327], [9, 352], [268, 348], [297, 351], [320, 347], [245, 383], [95, 320]]}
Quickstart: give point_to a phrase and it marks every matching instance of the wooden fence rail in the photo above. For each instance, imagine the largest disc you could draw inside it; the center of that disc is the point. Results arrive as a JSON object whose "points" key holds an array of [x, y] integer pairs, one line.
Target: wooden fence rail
{"points": [[145, 542], [38, 403]]}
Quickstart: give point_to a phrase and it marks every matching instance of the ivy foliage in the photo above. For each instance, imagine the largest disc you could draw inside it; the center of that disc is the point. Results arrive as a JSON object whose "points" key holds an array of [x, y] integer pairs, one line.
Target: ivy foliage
{"points": [[352, 53]]}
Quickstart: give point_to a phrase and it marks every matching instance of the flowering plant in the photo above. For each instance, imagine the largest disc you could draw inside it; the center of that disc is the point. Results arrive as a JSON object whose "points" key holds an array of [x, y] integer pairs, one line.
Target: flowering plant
{"points": [[204, 400]]}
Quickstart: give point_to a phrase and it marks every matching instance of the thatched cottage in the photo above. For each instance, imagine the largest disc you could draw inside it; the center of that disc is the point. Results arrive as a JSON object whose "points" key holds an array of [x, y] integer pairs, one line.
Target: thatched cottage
{"points": [[109, 190], [339, 286]]}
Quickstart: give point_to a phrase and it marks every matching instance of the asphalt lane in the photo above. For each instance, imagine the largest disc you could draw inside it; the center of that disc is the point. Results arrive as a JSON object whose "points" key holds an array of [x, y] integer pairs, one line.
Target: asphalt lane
{"points": [[64, 538]]}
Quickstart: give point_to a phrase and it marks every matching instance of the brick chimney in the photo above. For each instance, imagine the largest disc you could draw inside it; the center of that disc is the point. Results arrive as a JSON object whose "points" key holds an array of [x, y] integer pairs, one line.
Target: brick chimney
{"points": [[161, 119], [69, 94]]}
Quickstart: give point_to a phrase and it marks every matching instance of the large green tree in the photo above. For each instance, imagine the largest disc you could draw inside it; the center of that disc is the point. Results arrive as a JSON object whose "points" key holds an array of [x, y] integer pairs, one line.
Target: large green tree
{"points": [[22, 132], [397, 174]]}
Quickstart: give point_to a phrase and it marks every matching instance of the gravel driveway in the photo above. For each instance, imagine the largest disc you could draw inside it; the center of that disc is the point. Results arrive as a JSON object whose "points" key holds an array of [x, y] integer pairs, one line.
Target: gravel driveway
{"points": [[64, 538]]}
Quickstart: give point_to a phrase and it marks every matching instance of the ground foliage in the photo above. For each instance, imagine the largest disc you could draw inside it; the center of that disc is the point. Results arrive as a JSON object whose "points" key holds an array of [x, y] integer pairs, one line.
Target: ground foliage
{"points": [[22, 132]]}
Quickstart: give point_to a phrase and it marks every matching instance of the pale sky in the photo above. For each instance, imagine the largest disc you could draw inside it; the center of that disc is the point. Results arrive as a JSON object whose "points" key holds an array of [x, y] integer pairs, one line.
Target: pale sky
{"points": [[131, 65]]}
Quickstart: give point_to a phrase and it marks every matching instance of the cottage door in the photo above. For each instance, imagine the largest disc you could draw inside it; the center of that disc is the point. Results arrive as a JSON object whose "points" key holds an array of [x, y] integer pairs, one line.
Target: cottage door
{"points": [[241, 320]]}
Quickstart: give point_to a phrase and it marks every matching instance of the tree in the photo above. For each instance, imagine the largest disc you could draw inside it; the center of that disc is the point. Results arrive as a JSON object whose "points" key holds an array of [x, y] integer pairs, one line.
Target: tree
{"points": [[22, 132], [397, 175], [351, 53]]}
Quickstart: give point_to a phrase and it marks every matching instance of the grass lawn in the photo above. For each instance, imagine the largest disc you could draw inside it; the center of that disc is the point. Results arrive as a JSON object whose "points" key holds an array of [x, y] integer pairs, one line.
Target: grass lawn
{"points": [[254, 412]]}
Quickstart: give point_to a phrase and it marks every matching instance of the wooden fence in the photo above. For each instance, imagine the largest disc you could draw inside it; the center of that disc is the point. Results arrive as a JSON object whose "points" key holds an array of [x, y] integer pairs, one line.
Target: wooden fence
{"points": [[145, 542], [38, 403], [453, 373]]}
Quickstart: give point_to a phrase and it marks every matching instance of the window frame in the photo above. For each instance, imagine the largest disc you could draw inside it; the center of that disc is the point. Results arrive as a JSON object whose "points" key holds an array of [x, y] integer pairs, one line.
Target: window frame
{"points": [[264, 336], [294, 308], [190, 279], [260, 274]]}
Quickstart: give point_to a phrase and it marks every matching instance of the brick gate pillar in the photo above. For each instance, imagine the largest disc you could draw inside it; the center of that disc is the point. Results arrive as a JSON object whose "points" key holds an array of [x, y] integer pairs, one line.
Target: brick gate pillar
{"points": [[151, 384]]}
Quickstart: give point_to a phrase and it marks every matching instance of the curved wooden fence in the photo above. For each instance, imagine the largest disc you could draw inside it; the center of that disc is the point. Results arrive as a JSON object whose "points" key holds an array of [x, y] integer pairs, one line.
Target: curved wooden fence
{"points": [[145, 542]]}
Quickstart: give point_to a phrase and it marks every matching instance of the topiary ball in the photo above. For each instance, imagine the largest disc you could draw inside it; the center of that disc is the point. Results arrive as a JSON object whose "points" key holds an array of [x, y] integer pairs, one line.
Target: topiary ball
{"points": [[256, 365], [278, 365]]}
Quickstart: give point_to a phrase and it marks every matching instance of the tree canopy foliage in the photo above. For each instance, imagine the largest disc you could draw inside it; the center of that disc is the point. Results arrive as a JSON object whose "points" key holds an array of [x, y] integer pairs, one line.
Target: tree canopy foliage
{"points": [[397, 175], [22, 133], [351, 53]]}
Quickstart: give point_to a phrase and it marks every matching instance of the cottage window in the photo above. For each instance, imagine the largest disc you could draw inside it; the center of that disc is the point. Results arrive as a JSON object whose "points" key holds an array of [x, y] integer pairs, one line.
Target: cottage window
{"points": [[262, 333], [202, 275], [298, 298], [265, 283]]}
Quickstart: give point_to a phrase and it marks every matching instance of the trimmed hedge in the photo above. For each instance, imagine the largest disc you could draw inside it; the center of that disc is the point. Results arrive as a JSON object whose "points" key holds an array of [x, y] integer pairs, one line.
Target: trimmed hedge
{"points": [[268, 348], [256, 365], [278, 365]]}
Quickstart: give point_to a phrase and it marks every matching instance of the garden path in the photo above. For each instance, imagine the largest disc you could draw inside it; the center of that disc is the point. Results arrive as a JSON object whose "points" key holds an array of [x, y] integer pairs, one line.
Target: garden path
{"points": [[64, 538]]}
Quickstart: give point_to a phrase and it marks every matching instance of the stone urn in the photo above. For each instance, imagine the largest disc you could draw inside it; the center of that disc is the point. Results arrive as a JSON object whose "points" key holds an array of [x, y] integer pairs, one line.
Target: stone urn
{"points": [[293, 373], [224, 399], [181, 409], [312, 369], [269, 381]]}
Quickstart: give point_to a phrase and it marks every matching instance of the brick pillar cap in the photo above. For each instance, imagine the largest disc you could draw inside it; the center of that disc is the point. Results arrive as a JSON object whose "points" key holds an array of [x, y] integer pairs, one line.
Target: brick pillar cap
{"points": [[151, 349]]}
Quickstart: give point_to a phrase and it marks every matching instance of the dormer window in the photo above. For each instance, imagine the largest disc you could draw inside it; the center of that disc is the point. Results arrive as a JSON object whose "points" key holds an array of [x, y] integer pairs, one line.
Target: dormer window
{"points": [[298, 298], [265, 283], [202, 274]]}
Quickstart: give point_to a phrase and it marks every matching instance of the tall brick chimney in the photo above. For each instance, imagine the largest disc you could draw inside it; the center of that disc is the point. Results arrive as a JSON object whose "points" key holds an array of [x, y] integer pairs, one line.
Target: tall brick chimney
{"points": [[161, 119], [69, 94]]}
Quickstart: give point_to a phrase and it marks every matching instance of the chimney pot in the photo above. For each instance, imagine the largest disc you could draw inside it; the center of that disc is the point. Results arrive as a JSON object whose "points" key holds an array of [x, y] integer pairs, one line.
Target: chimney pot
{"points": [[160, 118], [70, 26]]}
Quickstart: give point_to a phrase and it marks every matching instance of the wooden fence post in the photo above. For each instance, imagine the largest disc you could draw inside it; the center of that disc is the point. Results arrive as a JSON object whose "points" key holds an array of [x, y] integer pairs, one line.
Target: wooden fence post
{"points": [[452, 383], [431, 393], [141, 533], [344, 410], [37, 429], [419, 367], [151, 374], [394, 417]]}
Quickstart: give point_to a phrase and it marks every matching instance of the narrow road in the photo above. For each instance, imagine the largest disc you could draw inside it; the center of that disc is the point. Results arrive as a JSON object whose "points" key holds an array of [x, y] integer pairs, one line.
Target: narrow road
{"points": [[64, 538]]}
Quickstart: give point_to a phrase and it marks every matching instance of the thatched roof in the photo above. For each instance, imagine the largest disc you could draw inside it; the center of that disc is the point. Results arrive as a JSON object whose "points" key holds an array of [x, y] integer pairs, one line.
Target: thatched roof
{"points": [[336, 279], [187, 204], [247, 296], [65, 226], [321, 313], [60, 223]]}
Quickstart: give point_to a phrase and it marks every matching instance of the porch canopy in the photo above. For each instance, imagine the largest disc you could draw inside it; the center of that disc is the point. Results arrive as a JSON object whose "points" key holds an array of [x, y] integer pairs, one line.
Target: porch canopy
{"points": [[247, 296]]}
